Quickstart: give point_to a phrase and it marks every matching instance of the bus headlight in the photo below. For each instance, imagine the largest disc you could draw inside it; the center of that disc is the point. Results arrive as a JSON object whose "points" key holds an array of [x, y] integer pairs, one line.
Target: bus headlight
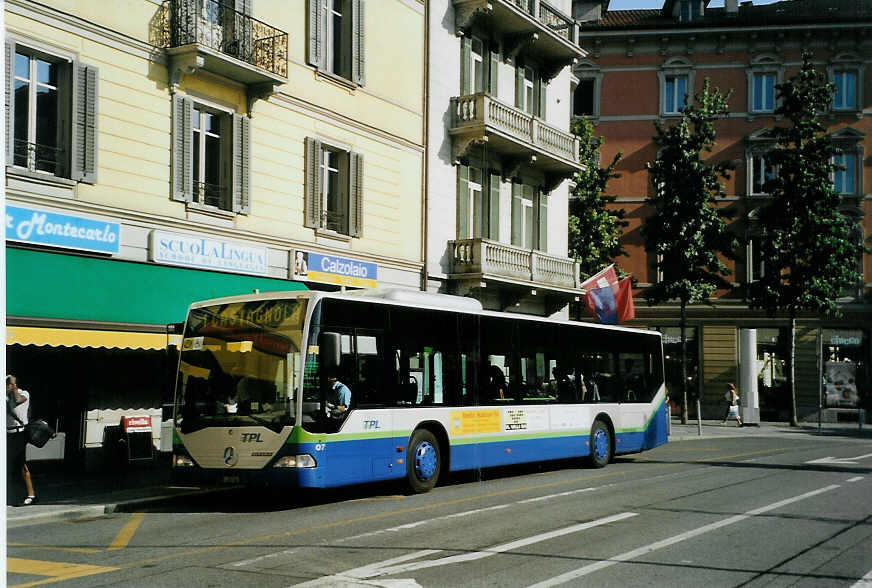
{"points": [[182, 461], [296, 461]]}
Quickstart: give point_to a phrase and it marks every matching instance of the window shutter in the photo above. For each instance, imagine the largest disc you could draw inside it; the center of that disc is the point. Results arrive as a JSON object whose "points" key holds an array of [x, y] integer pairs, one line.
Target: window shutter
{"points": [[463, 228], [492, 231], [183, 174], [465, 58], [355, 191], [10, 99], [312, 199], [246, 7], [517, 214], [543, 221], [493, 68], [241, 164], [313, 53], [84, 143], [519, 84], [358, 54], [541, 88]]}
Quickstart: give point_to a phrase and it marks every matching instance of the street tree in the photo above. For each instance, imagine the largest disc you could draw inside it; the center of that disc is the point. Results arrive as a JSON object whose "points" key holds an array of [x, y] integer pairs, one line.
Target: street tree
{"points": [[595, 229], [686, 230], [809, 247]]}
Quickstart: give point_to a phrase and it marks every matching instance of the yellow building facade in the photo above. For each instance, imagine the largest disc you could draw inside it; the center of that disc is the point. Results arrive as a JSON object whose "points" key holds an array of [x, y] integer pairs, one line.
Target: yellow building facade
{"points": [[164, 152]]}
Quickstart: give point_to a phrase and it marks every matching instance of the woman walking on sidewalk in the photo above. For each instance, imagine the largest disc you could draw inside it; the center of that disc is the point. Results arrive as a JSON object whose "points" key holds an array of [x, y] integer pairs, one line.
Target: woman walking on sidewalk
{"points": [[732, 398]]}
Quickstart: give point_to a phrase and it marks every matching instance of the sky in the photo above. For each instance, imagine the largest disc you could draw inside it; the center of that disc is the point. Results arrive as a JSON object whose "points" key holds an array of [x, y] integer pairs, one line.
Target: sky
{"points": [[631, 4]]}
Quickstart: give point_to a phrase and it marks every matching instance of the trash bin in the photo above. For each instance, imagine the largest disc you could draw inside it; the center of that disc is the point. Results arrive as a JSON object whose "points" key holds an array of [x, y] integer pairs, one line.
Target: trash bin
{"points": [[127, 442]]}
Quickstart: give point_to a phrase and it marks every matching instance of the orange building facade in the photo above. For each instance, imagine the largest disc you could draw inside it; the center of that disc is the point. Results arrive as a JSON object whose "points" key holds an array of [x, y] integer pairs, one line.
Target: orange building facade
{"points": [[640, 66]]}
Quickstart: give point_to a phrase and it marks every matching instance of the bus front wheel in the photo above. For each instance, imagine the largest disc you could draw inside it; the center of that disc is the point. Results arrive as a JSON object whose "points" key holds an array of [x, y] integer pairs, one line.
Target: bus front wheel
{"points": [[423, 461], [600, 444]]}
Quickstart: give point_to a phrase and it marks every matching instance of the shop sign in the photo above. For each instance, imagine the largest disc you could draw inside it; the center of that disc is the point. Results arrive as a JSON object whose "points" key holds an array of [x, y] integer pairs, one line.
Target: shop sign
{"points": [[207, 253], [842, 338], [41, 227], [330, 269]]}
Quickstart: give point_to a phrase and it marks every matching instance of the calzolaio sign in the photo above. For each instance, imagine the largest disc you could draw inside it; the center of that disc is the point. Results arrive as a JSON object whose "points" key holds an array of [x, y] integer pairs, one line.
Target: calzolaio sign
{"points": [[41, 227], [330, 269], [207, 253]]}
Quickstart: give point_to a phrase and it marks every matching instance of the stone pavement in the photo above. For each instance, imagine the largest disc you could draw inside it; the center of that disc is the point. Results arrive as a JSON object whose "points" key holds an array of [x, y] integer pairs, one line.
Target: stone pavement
{"points": [[77, 494]]}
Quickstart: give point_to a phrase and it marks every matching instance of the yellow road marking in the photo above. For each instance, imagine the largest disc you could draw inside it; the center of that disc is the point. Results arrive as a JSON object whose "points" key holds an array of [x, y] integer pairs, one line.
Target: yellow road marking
{"points": [[126, 533], [57, 571], [478, 497], [57, 548]]}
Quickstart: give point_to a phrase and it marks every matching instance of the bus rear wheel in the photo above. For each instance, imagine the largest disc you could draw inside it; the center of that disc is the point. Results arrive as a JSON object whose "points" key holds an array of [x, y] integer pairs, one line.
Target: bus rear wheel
{"points": [[423, 461], [600, 444]]}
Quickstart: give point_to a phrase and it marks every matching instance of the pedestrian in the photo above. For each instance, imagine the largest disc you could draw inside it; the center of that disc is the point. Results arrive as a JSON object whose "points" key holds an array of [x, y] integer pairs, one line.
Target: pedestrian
{"points": [[731, 396], [19, 486]]}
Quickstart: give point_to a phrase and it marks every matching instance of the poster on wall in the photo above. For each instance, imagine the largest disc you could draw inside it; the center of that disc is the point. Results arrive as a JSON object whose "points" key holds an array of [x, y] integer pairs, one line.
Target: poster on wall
{"points": [[840, 384]]}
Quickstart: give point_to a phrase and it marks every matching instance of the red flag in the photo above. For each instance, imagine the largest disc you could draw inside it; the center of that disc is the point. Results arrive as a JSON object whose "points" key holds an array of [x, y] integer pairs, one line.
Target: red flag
{"points": [[626, 307], [607, 299]]}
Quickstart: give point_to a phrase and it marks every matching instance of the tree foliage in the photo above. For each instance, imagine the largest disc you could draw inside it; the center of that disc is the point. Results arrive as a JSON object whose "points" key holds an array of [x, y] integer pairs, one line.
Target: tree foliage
{"points": [[687, 231], [810, 250], [809, 247], [595, 230]]}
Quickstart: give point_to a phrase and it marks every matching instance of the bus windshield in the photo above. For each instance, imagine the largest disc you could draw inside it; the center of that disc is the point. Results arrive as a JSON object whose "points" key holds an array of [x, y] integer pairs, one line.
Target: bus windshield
{"points": [[238, 365]]}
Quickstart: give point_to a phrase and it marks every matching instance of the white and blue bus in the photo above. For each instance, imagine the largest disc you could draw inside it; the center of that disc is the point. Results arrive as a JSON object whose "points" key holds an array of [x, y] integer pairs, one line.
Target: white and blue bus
{"points": [[436, 385]]}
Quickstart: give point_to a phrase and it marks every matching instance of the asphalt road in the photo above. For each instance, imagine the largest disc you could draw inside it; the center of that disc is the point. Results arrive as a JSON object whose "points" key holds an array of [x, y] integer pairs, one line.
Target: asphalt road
{"points": [[722, 512]]}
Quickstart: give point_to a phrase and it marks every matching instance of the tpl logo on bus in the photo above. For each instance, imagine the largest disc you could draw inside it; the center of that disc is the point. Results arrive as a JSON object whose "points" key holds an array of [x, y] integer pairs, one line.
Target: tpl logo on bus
{"points": [[251, 438], [370, 425]]}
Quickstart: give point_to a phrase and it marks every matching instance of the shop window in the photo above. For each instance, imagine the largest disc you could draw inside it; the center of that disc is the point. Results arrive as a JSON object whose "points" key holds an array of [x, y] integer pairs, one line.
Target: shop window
{"points": [[336, 33], [672, 363], [846, 370], [51, 121], [211, 168], [773, 393], [334, 189]]}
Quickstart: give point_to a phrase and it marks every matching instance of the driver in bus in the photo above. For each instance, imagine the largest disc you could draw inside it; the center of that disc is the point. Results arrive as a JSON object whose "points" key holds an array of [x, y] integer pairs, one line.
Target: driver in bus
{"points": [[339, 398]]}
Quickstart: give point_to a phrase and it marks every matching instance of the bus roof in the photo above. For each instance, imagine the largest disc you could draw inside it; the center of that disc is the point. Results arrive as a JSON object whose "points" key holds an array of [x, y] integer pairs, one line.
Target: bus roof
{"points": [[409, 298]]}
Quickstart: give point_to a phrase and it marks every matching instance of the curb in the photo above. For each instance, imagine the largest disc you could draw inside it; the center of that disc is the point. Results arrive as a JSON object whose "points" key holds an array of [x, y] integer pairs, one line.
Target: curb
{"points": [[55, 513]]}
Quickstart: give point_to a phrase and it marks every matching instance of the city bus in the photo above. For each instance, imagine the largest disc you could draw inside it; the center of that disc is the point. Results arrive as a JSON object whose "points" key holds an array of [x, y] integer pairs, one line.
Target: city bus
{"points": [[324, 389]]}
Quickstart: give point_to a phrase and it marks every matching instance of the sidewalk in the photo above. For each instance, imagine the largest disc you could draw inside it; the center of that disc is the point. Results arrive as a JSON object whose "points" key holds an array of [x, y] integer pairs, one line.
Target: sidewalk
{"points": [[714, 429], [76, 494]]}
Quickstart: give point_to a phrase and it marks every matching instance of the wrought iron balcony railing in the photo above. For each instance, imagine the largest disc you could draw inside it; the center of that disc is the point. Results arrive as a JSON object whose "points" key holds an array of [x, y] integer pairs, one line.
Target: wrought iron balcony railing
{"points": [[491, 258], [219, 27], [37, 157], [209, 194]]}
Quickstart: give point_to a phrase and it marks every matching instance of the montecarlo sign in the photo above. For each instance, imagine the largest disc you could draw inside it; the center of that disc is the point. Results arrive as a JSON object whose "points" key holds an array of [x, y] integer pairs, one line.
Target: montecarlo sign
{"points": [[208, 253], [42, 227]]}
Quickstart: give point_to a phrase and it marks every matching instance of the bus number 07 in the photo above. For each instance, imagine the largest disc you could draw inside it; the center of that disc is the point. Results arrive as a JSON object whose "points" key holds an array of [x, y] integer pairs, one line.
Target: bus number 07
{"points": [[320, 446]]}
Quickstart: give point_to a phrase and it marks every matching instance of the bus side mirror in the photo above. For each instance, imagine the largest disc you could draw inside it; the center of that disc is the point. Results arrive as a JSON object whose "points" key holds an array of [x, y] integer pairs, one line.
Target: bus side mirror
{"points": [[330, 350]]}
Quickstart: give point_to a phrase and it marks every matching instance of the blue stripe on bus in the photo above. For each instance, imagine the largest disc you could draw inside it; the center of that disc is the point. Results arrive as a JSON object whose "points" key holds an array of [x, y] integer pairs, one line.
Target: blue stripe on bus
{"points": [[357, 461]]}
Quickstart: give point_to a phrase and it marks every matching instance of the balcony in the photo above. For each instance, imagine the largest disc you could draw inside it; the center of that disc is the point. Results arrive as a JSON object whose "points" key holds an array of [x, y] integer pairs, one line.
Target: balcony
{"points": [[210, 36], [474, 261], [527, 26], [515, 134]]}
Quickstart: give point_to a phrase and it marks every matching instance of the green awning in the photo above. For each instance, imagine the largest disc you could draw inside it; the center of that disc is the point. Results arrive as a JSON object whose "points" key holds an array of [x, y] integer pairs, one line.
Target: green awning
{"points": [[53, 285]]}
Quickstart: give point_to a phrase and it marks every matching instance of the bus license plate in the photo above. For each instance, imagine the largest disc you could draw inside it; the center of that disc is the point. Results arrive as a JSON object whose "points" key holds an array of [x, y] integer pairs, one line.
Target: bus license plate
{"points": [[230, 479]]}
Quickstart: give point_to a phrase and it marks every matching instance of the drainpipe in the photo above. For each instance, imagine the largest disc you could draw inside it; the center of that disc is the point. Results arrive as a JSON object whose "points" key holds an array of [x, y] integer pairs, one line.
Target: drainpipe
{"points": [[425, 198]]}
